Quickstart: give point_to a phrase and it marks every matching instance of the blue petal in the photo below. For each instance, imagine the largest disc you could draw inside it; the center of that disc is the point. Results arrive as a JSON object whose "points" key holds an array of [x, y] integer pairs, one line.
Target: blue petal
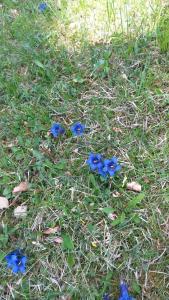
{"points": [[124, 295], [11, 258], [118, 168], [106, 162], [111, 172], [15, 269], [106, 297], [42, 7], [102, 171], [24, 260], [114, 160], [22, 268]]}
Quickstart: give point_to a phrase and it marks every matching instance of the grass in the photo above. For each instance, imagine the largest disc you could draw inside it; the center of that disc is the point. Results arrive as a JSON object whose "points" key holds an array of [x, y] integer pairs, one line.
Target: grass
{"points": [[53, 70]]}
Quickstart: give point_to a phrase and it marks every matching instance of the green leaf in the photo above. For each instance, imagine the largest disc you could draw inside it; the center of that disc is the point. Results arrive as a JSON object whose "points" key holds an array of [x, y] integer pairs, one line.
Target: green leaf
{"points": [[119, 220], [136, 219], [136, 287], [90, 227], [1, 256], [99, 63], [94, 182], [60, 165], [67, 243], [39, 64], [107, 210], [78, 79], [70, 260], [136, 200]]}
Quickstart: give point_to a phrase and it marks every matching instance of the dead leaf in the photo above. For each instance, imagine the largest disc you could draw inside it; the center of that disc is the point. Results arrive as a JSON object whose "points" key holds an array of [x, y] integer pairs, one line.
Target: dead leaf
{"points": [[51, 230], [76, 150], [124, 76], [14, 13], [116, 194], [20, 211], [4, 203], [116, 129], [134, 186], [65, 298], [23, 70], [22, 187], [112, 216], [11, 143], [146, 179], [58, 240]]}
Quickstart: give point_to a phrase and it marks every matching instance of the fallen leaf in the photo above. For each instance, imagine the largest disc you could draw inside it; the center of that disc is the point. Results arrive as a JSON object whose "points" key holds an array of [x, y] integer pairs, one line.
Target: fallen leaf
{"points": [[4, 203], [23, 70], [11, 143], [134, 186], [116, 194], [20, 211], [14, 13], [22, 187], [146, 179], [58, 240], [51, 230], [112, 216], [76, 150], [65, 298], [116, 129], [124, 76]]}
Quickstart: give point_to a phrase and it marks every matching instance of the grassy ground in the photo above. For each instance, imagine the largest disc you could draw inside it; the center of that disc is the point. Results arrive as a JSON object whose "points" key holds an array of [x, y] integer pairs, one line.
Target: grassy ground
{"points": [[52, 71]]}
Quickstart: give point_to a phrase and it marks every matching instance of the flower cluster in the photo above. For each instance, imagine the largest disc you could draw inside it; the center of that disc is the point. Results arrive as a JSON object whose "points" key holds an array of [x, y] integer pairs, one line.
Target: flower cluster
{"points": [[77, 129], [57, 130], [42, 6], [124, 294], [104, 167], [16, 261]]}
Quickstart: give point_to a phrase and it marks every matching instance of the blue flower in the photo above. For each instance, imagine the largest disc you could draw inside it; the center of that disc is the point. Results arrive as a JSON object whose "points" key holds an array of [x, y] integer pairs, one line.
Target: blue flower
{"points": [[57, 130], [124, 295], [16, 261], [102, 170], [77, 129], [106, 297], [94, 161], [42, 7], [111, 166]]}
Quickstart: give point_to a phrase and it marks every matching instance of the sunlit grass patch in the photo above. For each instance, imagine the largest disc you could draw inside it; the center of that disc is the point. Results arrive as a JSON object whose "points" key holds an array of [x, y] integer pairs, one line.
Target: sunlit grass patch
{"points": [[66, 65]]}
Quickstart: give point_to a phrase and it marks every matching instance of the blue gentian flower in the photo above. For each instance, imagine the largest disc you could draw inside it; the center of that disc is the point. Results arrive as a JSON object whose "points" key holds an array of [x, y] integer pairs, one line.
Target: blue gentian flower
{"points": [[124, 295], [102, 170], [94, 161], [16, 261], [57, 130], [77, 129], [106, 297], [111, 166], [42, 7]]}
